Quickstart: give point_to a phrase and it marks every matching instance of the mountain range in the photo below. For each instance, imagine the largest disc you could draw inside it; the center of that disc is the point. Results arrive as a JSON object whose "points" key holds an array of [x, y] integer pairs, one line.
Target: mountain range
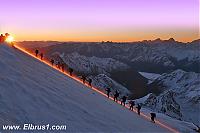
{"points": [[175, 88]]}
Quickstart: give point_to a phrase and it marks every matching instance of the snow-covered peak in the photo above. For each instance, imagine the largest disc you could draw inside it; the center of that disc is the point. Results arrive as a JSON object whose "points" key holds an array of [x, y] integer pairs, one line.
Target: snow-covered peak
{"points": [[93, 64], [164, 103], [185, 87], [180, 80], [172, 40]]}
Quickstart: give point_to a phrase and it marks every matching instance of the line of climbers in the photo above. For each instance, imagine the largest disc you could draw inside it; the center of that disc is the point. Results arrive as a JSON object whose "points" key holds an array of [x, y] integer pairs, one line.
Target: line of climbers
{"points": [[108, 90], [62, 67], [131, 102]]}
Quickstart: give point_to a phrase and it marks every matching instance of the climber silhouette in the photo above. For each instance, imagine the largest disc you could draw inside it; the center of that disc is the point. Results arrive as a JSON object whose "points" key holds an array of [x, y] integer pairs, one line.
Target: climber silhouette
{"points": [[90, 82], [116, 95], [153, 116], [52, 62], [123, 100], [108, 92], [138, 109], [2, 38], [7, 34], [36, 52], [83, 78], [63, 67], [70, 71], [41, 56], [58, 65], [132, 103]]}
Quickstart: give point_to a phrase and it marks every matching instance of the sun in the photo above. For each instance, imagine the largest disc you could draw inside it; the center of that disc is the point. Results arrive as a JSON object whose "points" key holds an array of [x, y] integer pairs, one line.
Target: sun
{"points": [[9, 39]]}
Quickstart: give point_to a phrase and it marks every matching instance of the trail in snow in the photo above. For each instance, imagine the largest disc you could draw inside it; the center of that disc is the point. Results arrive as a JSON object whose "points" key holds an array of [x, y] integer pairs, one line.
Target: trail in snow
{"points": [[42, 95]]}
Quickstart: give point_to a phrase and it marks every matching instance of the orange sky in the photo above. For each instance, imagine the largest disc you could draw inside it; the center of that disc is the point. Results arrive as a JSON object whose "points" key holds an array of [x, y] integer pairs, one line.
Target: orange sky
{"points": [[117, 36]]}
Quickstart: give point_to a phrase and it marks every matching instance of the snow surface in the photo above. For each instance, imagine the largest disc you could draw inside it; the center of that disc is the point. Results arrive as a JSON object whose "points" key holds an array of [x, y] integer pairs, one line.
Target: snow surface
{"points": [[32, 92]]}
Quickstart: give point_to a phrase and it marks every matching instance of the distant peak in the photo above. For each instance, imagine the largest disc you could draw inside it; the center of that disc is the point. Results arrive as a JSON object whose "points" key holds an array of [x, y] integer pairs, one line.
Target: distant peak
{"points": [[196, 41], [158, 39], [172, 40]]}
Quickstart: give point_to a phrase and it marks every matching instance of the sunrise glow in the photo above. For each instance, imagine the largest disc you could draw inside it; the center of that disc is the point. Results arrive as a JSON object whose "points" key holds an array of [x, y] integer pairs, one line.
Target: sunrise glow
{"points": [[9, 39]]}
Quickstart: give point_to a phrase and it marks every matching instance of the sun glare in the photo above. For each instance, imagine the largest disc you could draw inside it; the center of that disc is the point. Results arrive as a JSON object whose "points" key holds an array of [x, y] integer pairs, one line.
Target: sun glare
{"points": [[9, 39]]}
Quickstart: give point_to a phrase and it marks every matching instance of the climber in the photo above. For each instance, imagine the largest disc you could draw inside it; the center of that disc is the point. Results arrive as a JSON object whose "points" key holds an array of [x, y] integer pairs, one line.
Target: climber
{"points": [[52, 62], [123, 100], [36, 52], [90, 82], [153, 116], [58, 65], [63, 67], [83, 78], [108, 92], [7, 35], [70, 71], [41, 56], [138, 109], [2, 38], [116, 95], [132, 103]]}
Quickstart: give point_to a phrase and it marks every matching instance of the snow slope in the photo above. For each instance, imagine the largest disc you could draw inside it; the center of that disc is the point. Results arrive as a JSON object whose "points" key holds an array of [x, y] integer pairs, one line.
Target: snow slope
{"points": [[32, 92]]}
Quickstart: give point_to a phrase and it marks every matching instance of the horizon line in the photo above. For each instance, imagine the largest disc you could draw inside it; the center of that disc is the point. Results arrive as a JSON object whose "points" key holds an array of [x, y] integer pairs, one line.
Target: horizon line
{"points": [[110, 41]]}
